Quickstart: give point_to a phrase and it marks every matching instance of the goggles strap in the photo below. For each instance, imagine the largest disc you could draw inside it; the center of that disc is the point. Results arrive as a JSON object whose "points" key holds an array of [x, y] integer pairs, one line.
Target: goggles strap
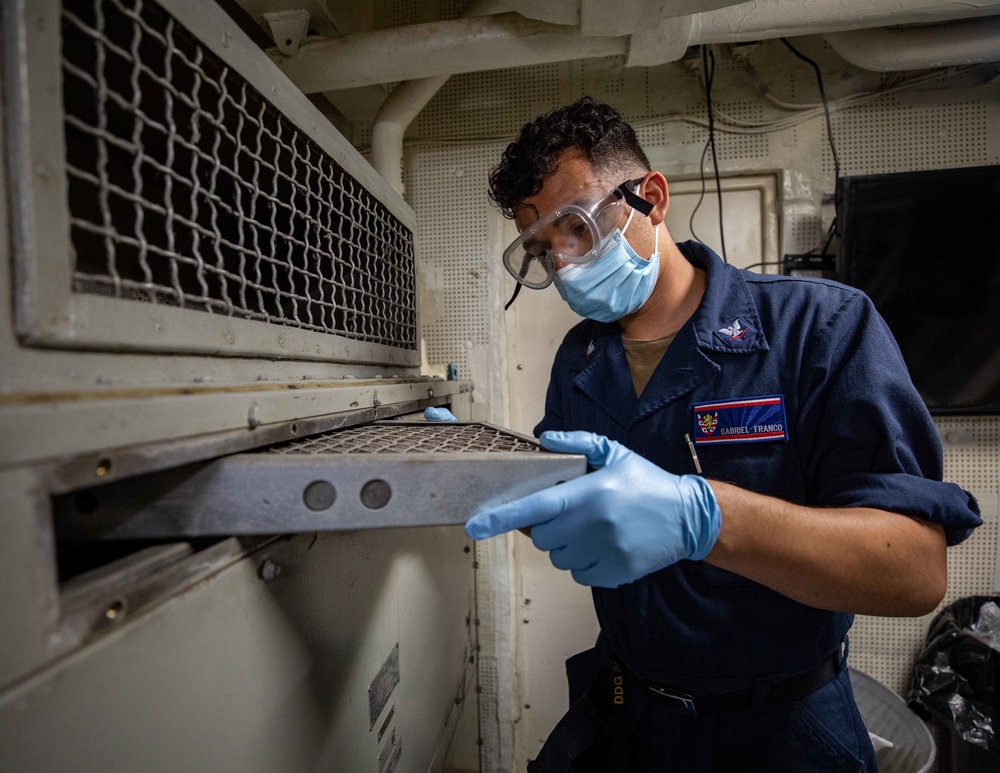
{"points": [[517, 289], [634, 200]]}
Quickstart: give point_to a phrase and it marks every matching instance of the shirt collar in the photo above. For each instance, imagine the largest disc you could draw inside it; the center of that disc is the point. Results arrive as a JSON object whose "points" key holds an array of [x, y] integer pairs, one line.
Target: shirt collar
{"points": [[726, 320]]}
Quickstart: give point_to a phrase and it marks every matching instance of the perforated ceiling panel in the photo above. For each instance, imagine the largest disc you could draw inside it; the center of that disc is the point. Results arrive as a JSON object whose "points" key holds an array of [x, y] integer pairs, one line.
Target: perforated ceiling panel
{"points": [[466, 105], [669, 134], [972, 451], [892, 136], [745, 146], [396, 13], [447, 188], [451, 223], [802, 233]]}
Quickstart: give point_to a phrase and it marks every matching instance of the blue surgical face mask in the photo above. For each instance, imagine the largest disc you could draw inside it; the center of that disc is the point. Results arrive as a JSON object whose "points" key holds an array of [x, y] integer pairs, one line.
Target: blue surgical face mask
{"points": [[613, 285]]}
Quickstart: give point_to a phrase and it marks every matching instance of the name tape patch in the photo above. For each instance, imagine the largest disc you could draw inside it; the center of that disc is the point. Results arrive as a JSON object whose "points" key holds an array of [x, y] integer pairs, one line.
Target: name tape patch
{"points": [[741, 420]]}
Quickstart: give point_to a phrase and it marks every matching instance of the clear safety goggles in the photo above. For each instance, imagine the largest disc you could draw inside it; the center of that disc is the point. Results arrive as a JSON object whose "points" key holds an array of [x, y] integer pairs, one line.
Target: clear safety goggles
{"points": [[571, 233]]}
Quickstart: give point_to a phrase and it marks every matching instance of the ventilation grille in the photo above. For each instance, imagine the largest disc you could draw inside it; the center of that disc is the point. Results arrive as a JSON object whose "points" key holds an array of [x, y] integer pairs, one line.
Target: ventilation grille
{"points": [[416, 438], [187, 188]]}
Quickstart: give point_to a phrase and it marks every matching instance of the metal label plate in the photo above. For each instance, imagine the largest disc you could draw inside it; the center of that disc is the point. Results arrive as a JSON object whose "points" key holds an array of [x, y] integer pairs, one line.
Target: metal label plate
{"points": [[381, 687]]}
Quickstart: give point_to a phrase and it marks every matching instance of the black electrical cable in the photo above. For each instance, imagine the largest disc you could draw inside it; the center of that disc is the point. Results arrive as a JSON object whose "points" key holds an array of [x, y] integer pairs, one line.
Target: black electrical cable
{"points": [[701, 196], [766, 263], [706, 55], [829, 236], [709, 76], [829, 136], [788, 259]]}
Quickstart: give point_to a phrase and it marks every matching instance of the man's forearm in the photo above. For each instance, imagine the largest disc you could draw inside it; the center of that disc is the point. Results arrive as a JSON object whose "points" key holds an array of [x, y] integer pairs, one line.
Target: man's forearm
{"points": [[857, 560]]}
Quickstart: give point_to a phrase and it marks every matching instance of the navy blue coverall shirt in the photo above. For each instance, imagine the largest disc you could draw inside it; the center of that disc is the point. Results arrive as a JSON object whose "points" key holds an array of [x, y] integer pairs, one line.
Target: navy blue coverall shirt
{"points": [[790, 387]]}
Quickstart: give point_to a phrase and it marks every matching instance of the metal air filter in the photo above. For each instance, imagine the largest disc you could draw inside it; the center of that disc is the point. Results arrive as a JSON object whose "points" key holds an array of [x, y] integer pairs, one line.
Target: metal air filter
{"points": [[373, 476], [410, 438]]}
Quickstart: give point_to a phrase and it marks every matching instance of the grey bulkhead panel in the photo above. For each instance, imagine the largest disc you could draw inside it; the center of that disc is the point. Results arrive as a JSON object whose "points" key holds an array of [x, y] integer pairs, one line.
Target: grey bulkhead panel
{"points": [[244, 675]]}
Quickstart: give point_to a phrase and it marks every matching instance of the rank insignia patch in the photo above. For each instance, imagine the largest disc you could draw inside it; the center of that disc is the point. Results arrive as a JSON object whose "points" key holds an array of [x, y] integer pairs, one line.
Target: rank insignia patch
{"points": [[740, 420], [737, 333]]}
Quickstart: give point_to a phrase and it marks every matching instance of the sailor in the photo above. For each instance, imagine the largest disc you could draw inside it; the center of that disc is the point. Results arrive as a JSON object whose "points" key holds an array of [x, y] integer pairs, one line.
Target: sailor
{"points": [[763, 470]]}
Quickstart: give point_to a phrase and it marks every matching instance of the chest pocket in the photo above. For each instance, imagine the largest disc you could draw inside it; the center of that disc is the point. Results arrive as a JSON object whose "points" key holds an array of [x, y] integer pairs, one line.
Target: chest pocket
{"points": [[764, 468]]}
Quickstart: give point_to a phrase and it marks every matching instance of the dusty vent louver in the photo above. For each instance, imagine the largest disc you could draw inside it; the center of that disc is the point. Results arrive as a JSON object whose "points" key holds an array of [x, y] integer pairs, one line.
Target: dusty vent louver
{"points": [[188, 188]]}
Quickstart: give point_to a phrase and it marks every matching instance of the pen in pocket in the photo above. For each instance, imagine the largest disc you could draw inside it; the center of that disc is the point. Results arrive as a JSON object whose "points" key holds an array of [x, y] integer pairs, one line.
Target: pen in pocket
{"points": [[694, 453]]}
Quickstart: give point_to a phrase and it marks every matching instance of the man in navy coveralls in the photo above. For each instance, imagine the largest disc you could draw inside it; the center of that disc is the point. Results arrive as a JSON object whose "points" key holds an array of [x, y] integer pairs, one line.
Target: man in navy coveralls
{"points": [[763, 471]]}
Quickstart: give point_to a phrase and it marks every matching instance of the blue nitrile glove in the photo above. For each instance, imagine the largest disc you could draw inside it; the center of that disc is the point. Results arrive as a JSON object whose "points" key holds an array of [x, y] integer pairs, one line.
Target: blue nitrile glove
{"points": [[613, 526], [439, 414]]}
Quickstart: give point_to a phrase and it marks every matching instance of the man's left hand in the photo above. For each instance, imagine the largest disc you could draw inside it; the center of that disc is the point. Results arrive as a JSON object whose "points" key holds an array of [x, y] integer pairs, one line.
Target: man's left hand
{"points": [[439, 414], [626, 520]]}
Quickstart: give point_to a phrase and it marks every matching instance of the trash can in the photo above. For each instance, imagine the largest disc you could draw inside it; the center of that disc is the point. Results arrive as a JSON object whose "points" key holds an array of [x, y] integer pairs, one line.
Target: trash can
{"points": [[886, 715], [956, 681]]}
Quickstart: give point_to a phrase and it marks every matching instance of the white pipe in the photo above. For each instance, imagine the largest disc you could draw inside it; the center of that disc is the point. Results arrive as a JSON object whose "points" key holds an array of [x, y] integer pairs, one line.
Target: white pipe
{"points": [[767, 19], [405, 102], [510, 40], [397, 112], [915, 48], [440, 48]]}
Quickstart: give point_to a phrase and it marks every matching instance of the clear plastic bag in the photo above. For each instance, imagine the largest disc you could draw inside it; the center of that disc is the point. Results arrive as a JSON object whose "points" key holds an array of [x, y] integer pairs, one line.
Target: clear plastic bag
{"points": [[987, 627]]}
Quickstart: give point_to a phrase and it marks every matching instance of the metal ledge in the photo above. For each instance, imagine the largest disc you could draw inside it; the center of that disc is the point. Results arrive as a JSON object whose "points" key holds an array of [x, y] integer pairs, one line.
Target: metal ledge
{"points": [[372, 476]]}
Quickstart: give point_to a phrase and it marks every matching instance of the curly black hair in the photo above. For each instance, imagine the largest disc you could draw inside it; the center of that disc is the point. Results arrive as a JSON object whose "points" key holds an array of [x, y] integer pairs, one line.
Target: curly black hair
{"points": [[598, 131]]}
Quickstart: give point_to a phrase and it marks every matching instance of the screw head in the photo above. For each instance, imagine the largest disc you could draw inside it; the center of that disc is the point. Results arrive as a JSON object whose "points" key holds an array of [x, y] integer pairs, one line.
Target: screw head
{"points": [[269, 570], [115, 610]]}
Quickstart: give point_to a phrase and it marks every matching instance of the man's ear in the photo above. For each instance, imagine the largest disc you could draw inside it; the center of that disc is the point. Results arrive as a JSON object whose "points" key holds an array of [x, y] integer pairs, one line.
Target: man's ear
{"points": [[654, 190]]}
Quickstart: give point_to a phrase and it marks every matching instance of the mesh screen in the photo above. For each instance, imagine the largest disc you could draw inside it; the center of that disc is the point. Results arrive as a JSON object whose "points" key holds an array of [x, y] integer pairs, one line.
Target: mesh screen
{"points": [[187, 188], [419, 438]]}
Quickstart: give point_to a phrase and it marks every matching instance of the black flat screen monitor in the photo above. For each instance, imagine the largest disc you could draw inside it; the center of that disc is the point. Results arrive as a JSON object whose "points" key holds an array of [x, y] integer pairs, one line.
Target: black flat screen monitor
{"points": [[925, 247]]}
